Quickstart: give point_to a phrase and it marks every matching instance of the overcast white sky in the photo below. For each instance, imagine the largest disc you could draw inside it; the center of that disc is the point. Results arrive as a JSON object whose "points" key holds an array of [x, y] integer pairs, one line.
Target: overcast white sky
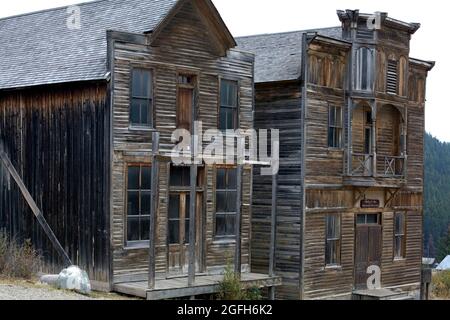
{"points": [[245, 17]]}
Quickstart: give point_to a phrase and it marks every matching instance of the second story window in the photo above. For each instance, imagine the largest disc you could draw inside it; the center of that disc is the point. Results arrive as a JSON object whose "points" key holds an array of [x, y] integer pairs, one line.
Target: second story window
{"points": [[368, 132], [364, 72], [185, 101], [141, 109], [228, 115], [392, 77], [334, 127], [333, 240]]}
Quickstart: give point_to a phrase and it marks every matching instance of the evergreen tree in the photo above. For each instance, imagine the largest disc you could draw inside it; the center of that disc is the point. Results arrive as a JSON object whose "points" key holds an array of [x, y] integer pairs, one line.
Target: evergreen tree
{"points": [[436, 194]]}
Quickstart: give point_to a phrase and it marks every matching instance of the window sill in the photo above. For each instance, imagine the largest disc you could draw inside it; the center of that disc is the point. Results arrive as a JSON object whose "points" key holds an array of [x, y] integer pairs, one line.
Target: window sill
{"points": [[136, 246], [333, 268], [399, 259], [331, 149], [224, 241], [141, 129]]}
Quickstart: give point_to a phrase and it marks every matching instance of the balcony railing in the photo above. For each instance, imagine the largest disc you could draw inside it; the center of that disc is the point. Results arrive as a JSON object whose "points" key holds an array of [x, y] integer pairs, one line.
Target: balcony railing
{"points": [[362, 165], [391, 166]]}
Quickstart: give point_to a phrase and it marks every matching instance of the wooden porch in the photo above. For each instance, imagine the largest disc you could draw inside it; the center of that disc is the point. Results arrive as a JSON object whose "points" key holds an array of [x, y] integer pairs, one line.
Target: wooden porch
{"points": [[203, 285]]}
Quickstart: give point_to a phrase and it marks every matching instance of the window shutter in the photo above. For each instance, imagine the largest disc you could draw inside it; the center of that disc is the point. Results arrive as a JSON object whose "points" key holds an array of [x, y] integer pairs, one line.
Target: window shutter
{"points": [[392, 77]]}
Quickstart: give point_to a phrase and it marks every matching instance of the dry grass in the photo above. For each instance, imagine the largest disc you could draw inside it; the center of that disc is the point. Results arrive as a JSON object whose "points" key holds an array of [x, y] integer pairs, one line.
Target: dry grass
{"points": [[441, 285], [17, 260]]}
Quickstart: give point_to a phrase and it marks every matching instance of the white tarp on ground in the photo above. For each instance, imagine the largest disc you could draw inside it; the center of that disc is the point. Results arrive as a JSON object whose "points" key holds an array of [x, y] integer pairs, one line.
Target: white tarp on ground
{"points": [[445, 264]]}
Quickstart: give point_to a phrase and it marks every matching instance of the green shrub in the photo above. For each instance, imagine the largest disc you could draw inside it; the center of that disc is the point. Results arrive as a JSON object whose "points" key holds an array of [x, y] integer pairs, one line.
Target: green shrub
{"points": [[17, 261], [441, 284], [232, 289]]}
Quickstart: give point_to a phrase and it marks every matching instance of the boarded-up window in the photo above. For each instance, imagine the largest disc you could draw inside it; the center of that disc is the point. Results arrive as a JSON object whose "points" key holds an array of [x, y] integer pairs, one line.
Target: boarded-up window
{"points": [[364, 73], [399, 235], [334, 127], [392, 77], [228, 117], [226, 192], [333, 240], [141, 110], [185, 101], [138, 203]]}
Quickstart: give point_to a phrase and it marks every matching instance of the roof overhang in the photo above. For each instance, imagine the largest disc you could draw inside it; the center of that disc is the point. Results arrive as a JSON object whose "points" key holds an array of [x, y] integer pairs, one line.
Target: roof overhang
{"points": [[355, 15], [316, 37], [428, 65]]}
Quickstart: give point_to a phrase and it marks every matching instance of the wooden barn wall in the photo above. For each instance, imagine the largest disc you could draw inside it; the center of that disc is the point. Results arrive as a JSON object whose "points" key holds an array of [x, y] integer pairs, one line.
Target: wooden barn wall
{"points": [[278, 107], [185, 46], [57, 138]]}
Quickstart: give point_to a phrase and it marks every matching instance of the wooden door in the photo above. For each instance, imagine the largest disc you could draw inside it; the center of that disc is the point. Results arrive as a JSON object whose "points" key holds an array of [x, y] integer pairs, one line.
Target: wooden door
{"points": [[367, 248], [178, 233]]}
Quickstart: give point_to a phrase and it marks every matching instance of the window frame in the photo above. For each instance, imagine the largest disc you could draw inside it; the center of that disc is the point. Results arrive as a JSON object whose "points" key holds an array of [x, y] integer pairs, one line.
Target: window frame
{"points": [[150, 99], [338, 130], [135, 244], [401, 235], [227, 237], [236, 108], [337, 240]]}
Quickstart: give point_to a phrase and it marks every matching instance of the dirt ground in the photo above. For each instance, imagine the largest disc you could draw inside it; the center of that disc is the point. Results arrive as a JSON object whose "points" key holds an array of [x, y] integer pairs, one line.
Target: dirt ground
{"points": [[34, 290]]}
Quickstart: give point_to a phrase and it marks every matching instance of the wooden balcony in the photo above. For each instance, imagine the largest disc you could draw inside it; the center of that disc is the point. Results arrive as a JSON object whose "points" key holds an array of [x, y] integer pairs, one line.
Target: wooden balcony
{"points": [[366, 170]]}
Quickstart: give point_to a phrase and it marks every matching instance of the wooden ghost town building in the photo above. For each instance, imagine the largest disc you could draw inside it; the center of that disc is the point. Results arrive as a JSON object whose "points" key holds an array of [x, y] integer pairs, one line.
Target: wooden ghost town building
{"points": [[88, 107]]}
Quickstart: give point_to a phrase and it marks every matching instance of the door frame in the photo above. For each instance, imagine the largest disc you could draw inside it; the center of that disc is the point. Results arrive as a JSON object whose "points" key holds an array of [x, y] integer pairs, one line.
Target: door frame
{"points": [[379, 225], [201, 220]]}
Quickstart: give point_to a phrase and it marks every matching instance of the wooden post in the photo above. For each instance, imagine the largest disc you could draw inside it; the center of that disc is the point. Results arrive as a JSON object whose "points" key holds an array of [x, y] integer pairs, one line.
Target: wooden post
{"points": [[33, 206], [153, 211], [192, 213], [237, 253], [273, 233]]}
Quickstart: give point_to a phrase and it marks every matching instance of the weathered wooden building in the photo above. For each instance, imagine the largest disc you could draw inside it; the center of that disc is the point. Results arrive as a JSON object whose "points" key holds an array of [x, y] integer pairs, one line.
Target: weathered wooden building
{"points": [[349, 102], [82, 93]]}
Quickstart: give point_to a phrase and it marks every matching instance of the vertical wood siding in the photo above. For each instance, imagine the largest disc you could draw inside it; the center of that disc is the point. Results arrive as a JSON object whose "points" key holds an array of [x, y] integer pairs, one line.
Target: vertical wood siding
{"points": [[58, 140]]}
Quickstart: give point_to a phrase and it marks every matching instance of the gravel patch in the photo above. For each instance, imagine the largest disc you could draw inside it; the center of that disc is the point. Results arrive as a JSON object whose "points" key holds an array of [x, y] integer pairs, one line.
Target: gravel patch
{"points": [[25, 292]]}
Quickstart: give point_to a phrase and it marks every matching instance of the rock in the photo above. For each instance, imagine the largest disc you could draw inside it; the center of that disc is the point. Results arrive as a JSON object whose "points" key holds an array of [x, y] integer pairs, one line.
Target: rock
{"points": [[73, 278]]}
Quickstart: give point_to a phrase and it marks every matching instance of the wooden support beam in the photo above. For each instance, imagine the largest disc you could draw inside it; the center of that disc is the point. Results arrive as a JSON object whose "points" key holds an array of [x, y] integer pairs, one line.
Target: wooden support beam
{"points": [[153, 211], [273, 233], [237, 253], [33, 206], [193, 212]]}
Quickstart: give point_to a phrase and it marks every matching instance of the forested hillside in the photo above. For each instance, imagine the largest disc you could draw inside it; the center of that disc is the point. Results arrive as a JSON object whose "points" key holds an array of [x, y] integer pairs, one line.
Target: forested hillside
{"points": [[437, 197]]}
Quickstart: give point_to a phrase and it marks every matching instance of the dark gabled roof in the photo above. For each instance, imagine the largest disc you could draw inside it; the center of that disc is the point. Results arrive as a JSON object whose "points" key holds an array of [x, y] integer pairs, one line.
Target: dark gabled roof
{"points": [[279, 55], [38, 48]]}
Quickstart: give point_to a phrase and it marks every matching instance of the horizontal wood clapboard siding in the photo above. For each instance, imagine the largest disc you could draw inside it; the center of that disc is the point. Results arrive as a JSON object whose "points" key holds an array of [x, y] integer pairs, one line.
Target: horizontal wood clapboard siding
{"points": [[184, 46], [278, 107]]}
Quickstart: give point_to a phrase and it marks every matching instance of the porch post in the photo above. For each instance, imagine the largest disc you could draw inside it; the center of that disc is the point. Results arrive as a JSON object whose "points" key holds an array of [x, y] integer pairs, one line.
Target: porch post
{"points": [[153, 210], [350, 136], [193, 212], [374, 138], [237, 254], [273, 232]]}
